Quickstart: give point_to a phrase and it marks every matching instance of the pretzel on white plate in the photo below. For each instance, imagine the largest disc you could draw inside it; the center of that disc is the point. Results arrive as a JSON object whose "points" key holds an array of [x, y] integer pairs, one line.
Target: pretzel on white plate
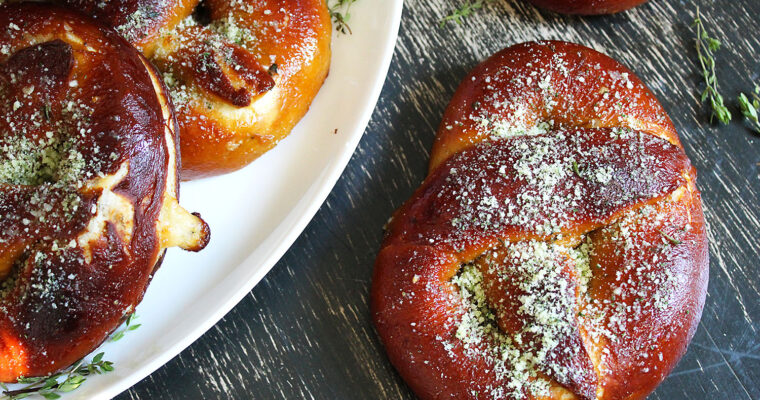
{"points": [[88, 186]]}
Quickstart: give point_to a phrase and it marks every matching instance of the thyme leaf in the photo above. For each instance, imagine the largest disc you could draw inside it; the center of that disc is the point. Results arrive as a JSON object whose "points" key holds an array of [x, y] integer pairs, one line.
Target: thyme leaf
{"points": [[128, 327], [706, 48], [576, 170], [669, 238]]}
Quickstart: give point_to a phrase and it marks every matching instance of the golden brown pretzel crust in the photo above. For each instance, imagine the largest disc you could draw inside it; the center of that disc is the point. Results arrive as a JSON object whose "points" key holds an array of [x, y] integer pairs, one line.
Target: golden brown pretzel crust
{"points": [[87, 186], [531, 97], [240, 81], [139, 21], [545, 260], [587, 7], [285, 42]]}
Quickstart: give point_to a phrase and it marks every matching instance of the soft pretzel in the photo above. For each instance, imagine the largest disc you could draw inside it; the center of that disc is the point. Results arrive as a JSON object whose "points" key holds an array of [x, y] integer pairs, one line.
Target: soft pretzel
{"points": [[241, 73], [557, 248], [141, 22], [88, 186], [587, 7]]}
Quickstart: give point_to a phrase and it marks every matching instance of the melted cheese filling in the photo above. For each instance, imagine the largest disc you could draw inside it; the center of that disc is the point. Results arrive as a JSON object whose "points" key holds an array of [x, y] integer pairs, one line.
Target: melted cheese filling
{"points": [[175, 226], [110, 207]]}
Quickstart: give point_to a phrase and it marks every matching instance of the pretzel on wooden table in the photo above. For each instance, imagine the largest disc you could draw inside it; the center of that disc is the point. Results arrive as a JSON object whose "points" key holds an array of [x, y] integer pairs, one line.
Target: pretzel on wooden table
{"points": [[557, 248]]}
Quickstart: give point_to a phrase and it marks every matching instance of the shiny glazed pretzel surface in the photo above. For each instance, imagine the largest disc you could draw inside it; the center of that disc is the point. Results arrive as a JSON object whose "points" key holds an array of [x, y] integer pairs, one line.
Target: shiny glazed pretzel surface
{"points": [[241, 73], [88, 186], [556, 248]]}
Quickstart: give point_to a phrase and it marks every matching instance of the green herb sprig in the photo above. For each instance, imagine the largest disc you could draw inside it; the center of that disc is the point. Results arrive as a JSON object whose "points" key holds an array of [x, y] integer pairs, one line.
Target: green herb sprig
{"points": [[464, 11], [750, 106], [128, 327], [49, 387], [340, 12], [706, 48]]}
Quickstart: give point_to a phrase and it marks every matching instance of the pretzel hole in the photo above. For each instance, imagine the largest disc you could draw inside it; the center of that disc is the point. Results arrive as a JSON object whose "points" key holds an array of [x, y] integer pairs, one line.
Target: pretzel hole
{"points": [[539, 310], [520, 300], [16, 260], [9, 259], [214, 55], [202, 14]]}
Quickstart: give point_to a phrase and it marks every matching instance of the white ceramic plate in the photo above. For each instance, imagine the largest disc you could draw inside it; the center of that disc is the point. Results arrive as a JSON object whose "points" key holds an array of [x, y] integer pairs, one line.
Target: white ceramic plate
{"points": [[255, 214]]}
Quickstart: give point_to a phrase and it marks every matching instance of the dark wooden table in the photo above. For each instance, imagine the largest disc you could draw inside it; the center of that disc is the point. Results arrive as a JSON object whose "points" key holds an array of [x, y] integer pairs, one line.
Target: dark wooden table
{"points": [[305, 331]]}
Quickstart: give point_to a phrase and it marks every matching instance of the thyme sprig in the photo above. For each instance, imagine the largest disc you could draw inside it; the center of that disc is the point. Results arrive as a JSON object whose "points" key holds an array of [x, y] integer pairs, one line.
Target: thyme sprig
{"points": [[49, 387], [706, 48], [128, 327], [465, 10], [750, 107], [340, 12]]}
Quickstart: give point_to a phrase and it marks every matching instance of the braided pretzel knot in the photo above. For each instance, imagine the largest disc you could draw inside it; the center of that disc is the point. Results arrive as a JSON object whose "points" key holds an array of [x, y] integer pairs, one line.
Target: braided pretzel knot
{"points": [[241, 73], [556, 249], [88, 186]]}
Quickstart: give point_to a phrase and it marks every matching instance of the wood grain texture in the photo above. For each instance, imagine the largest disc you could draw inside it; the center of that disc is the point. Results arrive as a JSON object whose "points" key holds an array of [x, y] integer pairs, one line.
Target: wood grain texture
{"points": [[305, 331]]}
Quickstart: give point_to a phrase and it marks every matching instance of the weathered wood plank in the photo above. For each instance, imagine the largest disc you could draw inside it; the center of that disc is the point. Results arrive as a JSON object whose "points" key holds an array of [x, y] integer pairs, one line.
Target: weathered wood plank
{"points": [[305, 331]]}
